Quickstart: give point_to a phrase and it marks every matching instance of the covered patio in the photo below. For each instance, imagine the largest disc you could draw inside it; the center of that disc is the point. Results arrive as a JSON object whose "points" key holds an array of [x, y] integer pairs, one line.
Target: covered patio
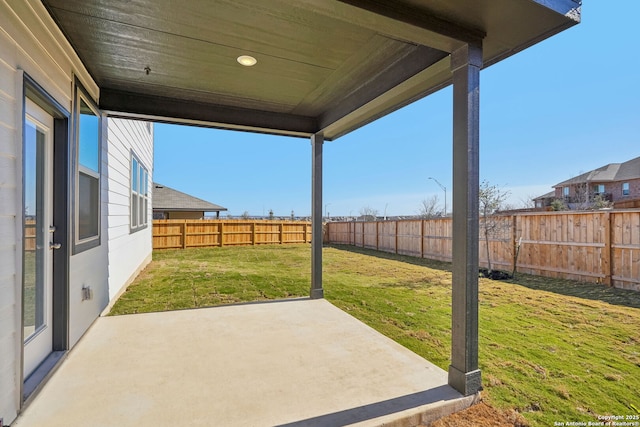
{"points": [[298, 362], [314, 69]]}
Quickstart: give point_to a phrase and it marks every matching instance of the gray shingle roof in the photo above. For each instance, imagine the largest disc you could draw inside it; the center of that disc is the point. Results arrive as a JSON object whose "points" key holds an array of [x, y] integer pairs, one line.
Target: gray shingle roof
{"points": [[609, 173], [549, 195], [168, 199]]}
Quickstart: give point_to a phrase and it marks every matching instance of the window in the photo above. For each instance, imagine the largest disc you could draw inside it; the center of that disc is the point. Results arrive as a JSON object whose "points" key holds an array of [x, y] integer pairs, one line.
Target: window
{"points": [[598, 188], [565, 191], [625, 189], [139, 195], [87, 177]]}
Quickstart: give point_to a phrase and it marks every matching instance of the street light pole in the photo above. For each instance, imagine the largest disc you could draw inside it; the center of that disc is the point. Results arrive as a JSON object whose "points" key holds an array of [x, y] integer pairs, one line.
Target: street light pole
{"points": [[445, 193]]}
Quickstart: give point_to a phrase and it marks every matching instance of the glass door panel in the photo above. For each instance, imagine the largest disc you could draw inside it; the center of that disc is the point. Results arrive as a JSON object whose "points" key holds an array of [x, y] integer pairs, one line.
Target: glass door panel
{"points": [[37, 255]]}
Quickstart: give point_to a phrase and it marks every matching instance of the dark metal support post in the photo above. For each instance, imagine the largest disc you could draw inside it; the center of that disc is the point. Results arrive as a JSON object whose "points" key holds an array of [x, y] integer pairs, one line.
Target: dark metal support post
{"points": [[464, 374], [317, 141]]}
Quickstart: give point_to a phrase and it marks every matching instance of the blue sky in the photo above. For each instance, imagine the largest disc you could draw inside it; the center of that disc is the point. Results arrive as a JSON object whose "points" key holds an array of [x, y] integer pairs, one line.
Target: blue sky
{"points": [[562, 107]]}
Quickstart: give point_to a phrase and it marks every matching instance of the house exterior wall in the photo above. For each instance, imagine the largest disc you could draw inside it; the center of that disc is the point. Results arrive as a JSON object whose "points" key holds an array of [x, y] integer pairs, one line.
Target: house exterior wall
{"points": [[616, 190], [129, 252], [31, 43], [9, 205], [612, 188], [185, 215]]}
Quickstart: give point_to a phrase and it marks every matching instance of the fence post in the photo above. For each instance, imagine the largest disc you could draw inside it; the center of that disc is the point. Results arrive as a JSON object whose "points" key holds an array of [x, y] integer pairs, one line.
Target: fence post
{"points": [[396, 237], [422, 224], [377, 235], [253, 233], [282, 232], [353, 225], [184, 234], [221, 228], [514, 239], [607, 260]]}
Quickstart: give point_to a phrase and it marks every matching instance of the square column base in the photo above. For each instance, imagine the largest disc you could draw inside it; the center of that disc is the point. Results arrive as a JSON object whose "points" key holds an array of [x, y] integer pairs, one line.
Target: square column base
{"points": [[467, 383], [317, 293]]}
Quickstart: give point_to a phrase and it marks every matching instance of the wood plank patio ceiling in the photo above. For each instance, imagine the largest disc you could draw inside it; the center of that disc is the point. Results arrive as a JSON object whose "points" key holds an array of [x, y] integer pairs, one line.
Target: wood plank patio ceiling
{"points": [[323, 65]]}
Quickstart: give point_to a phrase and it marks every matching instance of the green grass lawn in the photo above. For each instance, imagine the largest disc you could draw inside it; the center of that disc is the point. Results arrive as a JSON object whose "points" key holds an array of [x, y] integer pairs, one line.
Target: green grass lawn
{"points": [[553, 350]]}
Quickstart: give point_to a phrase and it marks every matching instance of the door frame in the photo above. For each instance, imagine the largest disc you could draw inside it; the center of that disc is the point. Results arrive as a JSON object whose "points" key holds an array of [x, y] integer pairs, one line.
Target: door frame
{"points": [[37, 153], [61, 219]]}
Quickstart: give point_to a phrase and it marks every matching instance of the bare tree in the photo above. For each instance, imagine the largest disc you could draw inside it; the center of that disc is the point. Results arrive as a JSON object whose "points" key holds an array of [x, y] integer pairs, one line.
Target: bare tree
{"points": [[492, 199], [368, 213], [580, 200], [429, 208], [527, 201]]}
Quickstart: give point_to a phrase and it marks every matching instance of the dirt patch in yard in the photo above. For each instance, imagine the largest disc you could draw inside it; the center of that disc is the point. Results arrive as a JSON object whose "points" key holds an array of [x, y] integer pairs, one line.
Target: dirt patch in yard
{"points": [[481, 415]]}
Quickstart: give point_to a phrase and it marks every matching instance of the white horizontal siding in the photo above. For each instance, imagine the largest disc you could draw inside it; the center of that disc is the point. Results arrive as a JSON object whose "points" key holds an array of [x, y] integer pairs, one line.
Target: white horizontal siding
{"points": [[9, 211], [30, 54], [119, 186], [7, 170], [127, 251], [8, 396], [8, 110], [7, 141], [9, 200], [8, 298], [122, 233], [7, 156], [41, 42], [8, 259], [116, 221], [118, 210], [8, 363]]}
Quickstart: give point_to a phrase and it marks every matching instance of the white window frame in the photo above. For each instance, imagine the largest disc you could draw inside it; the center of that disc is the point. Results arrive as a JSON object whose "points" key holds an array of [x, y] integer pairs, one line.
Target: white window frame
{"points": [[565, 191], [626, 189], [88, 242], [139, 195]]}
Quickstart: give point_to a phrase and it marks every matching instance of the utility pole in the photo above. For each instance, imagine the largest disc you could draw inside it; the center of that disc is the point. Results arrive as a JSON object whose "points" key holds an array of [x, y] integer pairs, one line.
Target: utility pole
{"points": [[445, 193]]}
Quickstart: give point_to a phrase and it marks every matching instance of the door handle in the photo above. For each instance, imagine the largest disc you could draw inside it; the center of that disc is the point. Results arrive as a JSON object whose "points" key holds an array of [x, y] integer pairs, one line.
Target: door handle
{"points": [[55, 245]]}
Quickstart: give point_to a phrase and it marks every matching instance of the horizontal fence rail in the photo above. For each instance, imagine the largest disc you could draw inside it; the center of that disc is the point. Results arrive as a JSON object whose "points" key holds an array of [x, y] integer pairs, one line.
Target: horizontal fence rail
{"points": [[599, 246], [182, 234]]}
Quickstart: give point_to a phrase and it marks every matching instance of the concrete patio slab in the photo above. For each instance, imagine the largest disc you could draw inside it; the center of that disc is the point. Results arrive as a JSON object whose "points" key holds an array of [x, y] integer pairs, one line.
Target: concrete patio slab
{"points": [[286, 363]]}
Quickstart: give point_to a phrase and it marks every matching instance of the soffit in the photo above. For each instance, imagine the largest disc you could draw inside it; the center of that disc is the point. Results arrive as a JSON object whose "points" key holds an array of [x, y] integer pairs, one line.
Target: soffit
{"points": [[327, 66]]}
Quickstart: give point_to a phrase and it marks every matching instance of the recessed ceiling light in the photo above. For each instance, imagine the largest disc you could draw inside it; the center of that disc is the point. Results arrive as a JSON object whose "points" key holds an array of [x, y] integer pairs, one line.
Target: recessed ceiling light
{"points": [[247, 61]]}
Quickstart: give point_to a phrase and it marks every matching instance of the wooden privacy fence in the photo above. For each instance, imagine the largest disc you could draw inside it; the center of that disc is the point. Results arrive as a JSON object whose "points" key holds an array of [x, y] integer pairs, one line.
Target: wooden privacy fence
{"points": [[599, 246], [30, 235], [179, 233]]}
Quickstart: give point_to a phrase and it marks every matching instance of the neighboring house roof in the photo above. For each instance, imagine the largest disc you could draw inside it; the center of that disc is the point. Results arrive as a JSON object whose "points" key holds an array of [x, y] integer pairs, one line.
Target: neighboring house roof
{"points": [[609, 173], [549, 195], [168, 199]]}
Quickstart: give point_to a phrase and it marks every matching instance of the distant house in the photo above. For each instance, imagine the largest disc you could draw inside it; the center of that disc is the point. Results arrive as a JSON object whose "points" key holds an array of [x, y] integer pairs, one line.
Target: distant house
{"points": [[545, 200], [173, 204], [618, 183]]}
